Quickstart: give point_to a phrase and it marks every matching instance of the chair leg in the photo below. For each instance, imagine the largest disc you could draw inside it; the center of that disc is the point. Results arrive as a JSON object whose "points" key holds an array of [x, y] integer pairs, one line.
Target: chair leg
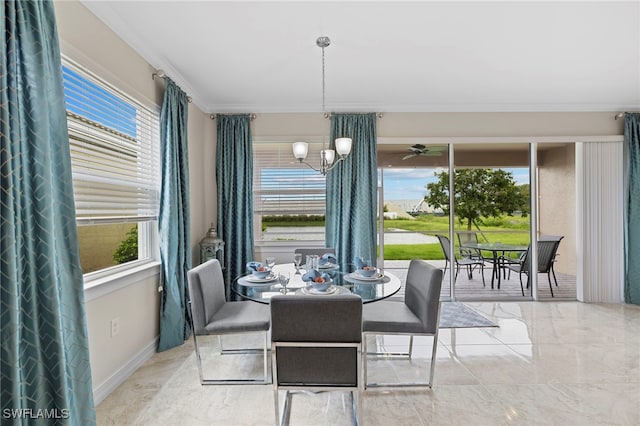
{"points": [[263, 381], [553, 271], [198, 358], [410, 346], [364, 361], [286, 410], [521, 287], [433, 359], [356, 407], [550, 286], [277, 405]]}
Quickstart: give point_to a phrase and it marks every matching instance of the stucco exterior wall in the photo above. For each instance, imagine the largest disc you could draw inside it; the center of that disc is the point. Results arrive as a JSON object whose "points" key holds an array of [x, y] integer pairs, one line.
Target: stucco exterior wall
{"points": [[557, 203]]}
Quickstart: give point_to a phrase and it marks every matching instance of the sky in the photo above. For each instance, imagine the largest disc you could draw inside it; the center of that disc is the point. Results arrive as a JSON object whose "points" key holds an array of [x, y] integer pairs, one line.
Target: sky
{"points": [[409, 184]]}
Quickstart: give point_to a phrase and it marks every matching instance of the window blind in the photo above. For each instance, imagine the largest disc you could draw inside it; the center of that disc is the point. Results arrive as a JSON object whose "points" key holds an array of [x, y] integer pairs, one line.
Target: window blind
{"points": [[114, 142], [283, 186]]}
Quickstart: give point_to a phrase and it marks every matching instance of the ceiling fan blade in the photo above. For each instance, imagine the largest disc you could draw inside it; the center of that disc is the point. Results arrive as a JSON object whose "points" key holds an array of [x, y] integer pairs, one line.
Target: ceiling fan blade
{"points": [[409, 156], [432, 153]]}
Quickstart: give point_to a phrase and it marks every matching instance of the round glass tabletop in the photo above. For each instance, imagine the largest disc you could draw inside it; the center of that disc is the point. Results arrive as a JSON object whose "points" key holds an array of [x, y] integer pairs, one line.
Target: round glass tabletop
{"points": [[371, 289]]}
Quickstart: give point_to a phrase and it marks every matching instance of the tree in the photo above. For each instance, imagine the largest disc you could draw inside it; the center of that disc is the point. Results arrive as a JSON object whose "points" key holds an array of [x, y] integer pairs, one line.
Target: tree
{"points": [[478, 193], [128, 248]]}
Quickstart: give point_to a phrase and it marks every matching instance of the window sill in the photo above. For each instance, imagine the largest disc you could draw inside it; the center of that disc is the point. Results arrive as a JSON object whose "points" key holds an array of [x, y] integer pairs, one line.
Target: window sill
{"points": [[100, 287]]}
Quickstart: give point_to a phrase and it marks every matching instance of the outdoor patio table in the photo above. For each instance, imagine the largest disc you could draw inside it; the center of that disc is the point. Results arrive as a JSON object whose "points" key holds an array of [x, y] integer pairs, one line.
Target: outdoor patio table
{"points": [[496, 248], [344, 279]]}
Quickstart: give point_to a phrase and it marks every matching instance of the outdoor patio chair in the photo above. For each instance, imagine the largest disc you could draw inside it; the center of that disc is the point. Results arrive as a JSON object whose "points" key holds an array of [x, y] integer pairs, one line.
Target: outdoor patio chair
{"points": [[211, 314], [316, 344], [469, 237], [547, 249], [469, 263], [419, 315]]}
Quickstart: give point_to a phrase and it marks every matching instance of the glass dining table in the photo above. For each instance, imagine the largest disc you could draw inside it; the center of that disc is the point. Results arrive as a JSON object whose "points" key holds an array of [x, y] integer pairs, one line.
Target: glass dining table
{"points": [[345, 280]]}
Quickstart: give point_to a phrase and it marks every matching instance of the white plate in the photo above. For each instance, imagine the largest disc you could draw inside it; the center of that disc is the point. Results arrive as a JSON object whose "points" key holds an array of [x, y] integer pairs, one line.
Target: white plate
{"points": [[310, 290], [375, 277], [266, 279], [327, 266]]}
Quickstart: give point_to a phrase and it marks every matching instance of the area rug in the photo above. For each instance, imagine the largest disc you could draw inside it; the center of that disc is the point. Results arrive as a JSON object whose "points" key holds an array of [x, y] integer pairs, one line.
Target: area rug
{"points": [[457, 315]]}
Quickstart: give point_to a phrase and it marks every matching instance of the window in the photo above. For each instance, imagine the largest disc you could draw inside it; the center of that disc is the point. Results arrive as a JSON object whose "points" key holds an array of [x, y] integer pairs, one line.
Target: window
{"points": [[114, 143], [289, 198]]}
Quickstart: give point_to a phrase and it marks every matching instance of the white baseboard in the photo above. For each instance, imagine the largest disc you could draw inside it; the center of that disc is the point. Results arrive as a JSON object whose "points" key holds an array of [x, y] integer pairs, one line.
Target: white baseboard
{"points": [[103, 390]]}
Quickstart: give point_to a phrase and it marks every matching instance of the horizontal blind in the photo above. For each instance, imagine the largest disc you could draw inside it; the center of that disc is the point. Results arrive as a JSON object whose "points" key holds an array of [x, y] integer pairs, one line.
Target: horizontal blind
{"points": [[283, 186], [114, 142]]}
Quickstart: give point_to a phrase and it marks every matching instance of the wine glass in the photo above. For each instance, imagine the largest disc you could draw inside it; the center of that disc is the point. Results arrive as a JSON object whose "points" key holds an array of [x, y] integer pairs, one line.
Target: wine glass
{"points": [[297, 259], [270, 262], [283, 279]]}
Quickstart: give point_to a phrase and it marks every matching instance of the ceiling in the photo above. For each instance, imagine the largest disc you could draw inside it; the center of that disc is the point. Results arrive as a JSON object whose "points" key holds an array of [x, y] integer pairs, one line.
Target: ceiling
{"points": [[417, 56]]}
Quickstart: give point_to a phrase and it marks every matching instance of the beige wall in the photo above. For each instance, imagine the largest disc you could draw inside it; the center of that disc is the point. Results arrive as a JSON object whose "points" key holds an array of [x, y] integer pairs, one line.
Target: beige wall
{"points": [[451, 125], [85, 40], [557, 203]]}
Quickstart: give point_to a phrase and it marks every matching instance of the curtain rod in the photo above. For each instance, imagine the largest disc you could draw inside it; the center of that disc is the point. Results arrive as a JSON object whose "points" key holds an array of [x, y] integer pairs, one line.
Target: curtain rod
{"points": [[329, 114], [251, 116], [162, 74]]}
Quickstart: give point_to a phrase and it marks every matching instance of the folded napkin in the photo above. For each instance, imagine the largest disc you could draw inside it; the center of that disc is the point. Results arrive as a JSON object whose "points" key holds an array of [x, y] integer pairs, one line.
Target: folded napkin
{"points": [[313, 274], [253, 266], [327, 258], [357, 260]]}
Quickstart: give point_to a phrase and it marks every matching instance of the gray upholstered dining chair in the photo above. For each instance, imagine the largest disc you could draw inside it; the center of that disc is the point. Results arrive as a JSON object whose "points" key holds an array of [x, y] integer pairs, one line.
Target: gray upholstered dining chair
{"points": [[319, 251], [211, 314], [418, 315], [316, 346]]}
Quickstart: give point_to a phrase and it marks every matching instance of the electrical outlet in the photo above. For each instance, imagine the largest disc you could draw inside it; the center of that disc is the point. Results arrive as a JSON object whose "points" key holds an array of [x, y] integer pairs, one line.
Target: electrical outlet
{"points": [[115, 326]]}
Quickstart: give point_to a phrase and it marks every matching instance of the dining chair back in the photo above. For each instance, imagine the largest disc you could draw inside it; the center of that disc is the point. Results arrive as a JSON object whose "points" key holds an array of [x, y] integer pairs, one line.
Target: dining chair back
{"points": [[318, 251], [316, 346], [211, 314], [419, 315]]}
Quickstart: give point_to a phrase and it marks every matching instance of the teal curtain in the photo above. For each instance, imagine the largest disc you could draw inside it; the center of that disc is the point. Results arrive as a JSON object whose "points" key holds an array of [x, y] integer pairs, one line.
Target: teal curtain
{"points": [[352, 190], [632, 208], [44, 353], [234, 177], [173, 221]]}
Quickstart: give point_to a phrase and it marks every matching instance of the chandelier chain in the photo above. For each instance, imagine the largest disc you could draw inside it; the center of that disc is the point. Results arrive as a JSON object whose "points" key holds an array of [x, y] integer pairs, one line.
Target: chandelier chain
{"points": [[323, 83]]}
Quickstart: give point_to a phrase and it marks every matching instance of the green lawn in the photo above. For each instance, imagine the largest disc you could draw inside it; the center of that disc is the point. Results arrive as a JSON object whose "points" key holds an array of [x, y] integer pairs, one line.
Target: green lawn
{"points": [[506, 229]]}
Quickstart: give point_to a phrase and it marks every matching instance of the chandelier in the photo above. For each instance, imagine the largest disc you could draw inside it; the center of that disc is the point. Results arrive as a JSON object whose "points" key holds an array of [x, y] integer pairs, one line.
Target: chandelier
{"points": [[328, 158]]}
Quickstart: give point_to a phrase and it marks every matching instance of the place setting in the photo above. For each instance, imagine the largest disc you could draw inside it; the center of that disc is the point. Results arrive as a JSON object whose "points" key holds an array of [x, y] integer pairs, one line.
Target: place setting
{"points": [[320, 283], [261, 274], [365, 272]]}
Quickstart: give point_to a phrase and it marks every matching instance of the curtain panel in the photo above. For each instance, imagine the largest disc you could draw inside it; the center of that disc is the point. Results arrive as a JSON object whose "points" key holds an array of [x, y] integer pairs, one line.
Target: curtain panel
{"points": [[632, 208], [173, 219], [234, 178], [44, 357], [352, 190]]}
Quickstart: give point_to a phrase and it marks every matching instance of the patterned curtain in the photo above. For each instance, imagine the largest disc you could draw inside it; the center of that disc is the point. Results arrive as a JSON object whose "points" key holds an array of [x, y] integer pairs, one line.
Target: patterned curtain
{"points": [[44, 355], [352, 189], [632, 208], [173, 221], [234, 177]]}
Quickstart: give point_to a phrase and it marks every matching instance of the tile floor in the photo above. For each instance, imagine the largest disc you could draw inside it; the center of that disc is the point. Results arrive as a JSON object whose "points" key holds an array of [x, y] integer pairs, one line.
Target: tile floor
{"points": [[556, 363]]}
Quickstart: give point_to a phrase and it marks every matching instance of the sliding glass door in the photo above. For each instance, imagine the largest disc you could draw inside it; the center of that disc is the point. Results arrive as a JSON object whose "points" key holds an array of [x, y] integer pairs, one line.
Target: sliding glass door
{"points": [[481, 239]]}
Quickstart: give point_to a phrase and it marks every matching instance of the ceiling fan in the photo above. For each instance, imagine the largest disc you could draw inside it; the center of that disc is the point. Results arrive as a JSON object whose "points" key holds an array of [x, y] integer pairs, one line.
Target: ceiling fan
{"points": [[419, 149]]}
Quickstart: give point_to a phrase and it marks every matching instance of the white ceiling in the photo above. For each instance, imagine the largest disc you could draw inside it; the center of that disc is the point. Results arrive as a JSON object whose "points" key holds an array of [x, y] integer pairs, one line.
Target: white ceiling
{"points": [[390, 56]]}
